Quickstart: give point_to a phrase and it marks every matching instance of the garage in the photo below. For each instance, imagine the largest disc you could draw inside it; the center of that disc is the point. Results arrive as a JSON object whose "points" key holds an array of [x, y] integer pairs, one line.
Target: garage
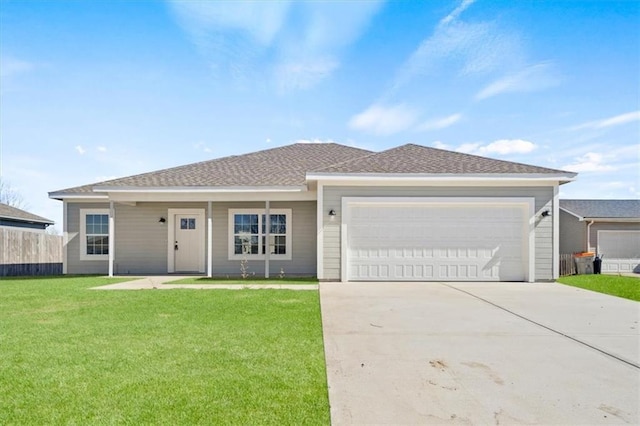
{"points": [[438, 239], [620, 251]]}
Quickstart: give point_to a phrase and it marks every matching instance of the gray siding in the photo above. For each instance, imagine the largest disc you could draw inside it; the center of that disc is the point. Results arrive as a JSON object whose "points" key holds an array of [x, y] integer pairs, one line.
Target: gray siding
{"points": [[141, 241], [573, 234], [74, 264], [332, 199]]}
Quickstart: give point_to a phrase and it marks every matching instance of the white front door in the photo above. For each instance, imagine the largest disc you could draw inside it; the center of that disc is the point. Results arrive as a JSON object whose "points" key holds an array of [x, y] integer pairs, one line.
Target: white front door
{"points": [[188, 229]]}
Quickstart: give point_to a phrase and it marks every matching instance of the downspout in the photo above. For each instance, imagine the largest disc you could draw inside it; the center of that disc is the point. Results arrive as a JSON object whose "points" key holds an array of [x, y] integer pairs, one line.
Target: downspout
{"points": [[589, 235]]}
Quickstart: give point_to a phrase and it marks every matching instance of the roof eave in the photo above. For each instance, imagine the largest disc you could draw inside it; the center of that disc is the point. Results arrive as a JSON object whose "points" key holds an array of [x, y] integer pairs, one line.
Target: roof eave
{"points": [[442, 177], [24, 220], [611, 219], [202, 189], [61, 196]]}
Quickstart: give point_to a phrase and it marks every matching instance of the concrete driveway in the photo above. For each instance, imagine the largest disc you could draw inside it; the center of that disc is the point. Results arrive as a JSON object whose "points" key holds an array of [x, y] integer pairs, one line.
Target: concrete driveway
{"points": [[479, 353]]}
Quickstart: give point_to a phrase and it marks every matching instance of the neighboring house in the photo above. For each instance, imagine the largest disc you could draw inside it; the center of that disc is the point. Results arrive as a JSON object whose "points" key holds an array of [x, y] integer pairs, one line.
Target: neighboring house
{"points": [[610, 228], [336, 212], [17, 218]]}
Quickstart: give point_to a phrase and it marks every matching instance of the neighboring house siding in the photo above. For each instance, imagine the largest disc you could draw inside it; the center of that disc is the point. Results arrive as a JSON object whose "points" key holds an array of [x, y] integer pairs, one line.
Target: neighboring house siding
{"points": [[74, 264], [332, 199], [141, 241], [608, 226], [573, 234]]}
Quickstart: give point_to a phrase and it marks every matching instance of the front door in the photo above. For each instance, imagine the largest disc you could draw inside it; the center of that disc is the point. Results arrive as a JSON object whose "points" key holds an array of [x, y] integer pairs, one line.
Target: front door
{"points": [[186, 244]]}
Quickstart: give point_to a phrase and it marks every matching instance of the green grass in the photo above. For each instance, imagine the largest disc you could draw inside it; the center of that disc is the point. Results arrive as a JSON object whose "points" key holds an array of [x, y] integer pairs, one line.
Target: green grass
{"points": [[69, 355], [247, 281], [615, 285]]}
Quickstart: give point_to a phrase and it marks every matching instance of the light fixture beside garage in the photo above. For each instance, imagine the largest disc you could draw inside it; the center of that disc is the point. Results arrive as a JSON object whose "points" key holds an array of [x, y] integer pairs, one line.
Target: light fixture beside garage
{"points": [[545, 213], [332, 213], [162, 220]]}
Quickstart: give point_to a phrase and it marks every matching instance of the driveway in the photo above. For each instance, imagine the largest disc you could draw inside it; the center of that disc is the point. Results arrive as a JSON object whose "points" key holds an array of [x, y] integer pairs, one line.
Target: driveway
{"points": [[479, 353]]}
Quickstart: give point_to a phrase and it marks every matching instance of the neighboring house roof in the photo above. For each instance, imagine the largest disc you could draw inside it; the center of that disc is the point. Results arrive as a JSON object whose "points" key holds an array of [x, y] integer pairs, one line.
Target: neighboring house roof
{"points": [[416, 159], [602, 209], [18, 215], [291, 165]]}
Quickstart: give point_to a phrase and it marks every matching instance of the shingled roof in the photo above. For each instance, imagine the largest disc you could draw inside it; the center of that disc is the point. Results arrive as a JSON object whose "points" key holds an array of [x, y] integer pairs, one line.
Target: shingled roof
{"points": [[14, 214], [416, 159], [289, 166], [603, 209], [283, 166]]}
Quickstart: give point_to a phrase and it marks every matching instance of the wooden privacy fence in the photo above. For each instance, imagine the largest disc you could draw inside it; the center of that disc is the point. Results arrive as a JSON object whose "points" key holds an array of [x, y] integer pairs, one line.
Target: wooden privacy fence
{"points": [[567, 265], [29, 253]]}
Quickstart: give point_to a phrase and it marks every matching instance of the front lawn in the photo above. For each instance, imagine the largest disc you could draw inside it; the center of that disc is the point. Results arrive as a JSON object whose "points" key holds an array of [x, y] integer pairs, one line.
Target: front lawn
{"points": [[69, 355], [615, 285]]}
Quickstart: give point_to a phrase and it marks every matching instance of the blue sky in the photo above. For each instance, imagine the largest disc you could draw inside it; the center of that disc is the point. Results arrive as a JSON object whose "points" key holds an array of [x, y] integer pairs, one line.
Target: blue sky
{"points": [[95, 90]]}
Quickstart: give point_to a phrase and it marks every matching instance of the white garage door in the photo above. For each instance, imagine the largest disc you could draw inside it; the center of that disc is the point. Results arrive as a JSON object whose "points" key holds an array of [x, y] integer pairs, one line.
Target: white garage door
{"points": [[620, 250], [430, 241]]}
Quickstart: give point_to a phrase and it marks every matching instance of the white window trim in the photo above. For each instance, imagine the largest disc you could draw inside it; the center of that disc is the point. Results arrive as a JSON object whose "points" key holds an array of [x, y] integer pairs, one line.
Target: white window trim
{"points": [[259, 212], [83, 234]]}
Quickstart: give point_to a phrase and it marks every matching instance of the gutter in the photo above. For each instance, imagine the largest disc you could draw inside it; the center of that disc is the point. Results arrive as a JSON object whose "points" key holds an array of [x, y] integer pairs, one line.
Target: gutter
{"points": [[589, 235]]}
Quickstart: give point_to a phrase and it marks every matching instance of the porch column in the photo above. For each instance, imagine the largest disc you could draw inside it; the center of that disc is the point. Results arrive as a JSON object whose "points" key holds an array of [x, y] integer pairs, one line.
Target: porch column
{"points": [[112, 233], [209, 241], [267, 246]]}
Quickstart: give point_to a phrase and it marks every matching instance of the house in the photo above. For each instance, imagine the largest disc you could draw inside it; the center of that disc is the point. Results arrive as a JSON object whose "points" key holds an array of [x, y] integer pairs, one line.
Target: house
{"points": [[610, 228], [333, 211], [12, 217]]}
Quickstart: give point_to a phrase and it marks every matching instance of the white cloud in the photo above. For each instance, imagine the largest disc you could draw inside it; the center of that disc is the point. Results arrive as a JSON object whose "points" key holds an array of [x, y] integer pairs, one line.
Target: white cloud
{"points": [[268, 140], [301, 75], [590, 162], [440, 145], [499, 147], [384, 120], [536, 77], [297, 44], [201, 146], [611, 121], [469, 48], [316, 140], [440, 123], [80, 149], [10, 66], [457, 11], [102, 148]]}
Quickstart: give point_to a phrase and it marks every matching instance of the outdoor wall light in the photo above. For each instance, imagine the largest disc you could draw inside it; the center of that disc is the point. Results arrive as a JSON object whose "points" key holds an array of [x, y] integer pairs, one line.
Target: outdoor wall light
{"points": [[332, 212], [162, 220], [545, 213]]}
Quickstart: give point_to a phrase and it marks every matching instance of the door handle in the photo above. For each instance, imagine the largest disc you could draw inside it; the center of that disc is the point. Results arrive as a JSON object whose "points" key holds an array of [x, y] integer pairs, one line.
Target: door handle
{"points": [[175, 246]]}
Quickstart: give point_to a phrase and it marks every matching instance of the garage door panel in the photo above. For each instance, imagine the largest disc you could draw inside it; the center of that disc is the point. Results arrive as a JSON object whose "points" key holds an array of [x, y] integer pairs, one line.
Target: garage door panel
{"points": [[620, 250], [437, 242]]}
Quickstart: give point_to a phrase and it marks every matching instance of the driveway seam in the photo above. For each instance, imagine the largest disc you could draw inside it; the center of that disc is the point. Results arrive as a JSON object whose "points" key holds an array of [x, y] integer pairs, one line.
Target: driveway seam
{"points": [[631, 363]]}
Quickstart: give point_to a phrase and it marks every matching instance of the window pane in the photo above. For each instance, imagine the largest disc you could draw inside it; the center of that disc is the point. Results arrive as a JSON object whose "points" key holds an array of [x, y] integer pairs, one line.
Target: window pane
{"points": [[97, 224], [97, 245], [245, 223], [278, 224], [192, 223]]}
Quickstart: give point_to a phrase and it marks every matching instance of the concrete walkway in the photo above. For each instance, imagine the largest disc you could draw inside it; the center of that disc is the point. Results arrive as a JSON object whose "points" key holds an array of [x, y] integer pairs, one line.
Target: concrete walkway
{"points": [[479, 353], [159, 283]]}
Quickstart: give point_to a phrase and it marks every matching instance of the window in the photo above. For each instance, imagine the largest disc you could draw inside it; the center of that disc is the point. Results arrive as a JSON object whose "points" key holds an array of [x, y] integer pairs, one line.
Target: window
{"points": [[94, 234], [248, 234]]}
